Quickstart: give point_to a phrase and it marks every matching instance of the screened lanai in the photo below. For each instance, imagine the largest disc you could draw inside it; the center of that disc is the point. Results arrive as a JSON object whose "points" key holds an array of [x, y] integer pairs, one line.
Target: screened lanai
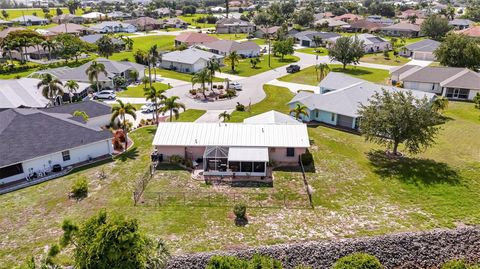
{"points": [[235, 161]]}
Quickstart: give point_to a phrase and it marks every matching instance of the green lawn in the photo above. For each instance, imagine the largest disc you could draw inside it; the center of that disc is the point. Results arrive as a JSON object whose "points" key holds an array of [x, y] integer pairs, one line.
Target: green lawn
{"points": [[229, 36], [190, 115], [191, 19], [379, 58], [408, 40], [33, 27], [138, 91], [314, 51], [243, 68], [356, 192], [260, 41], [309, 76], [14, 13], [145, 43], [277, 99]]}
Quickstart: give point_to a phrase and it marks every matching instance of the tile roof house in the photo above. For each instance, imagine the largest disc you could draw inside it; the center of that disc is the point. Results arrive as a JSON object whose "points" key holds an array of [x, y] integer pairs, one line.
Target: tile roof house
{"points": [[364, 26], [380, 19], [190, 60], [193, 38], [307, 38], [173, 23], [348, 17], [28, 20], [402, 29], [232, 25], [69, 28], [412, 13], [421, 50], [8, 30], [460, 24], [339, 99], [113, 27], [451, 82], [145, 23], [331, 23], [261, 32], [93, 16], [68, 18], [57, 139], [246, 49], [473, 31], [372, 43]]}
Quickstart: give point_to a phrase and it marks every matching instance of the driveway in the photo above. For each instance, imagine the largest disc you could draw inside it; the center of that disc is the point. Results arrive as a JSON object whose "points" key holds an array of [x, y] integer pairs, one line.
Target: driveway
{"points": [[419, 63]]}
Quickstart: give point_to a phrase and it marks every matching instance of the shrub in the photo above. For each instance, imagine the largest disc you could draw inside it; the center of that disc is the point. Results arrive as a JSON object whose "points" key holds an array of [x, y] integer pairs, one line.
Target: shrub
{"points": [[226, 262], [307, 158], [455, 264], [231, 93], [220, 87], [79, 189], [240, 107], [259, 261], [193, 92], [120, 135], [358, 261], [240, 211]]}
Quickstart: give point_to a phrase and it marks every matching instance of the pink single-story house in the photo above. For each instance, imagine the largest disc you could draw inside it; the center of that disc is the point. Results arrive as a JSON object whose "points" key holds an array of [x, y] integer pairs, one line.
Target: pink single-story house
{"points": [[235, 149]]}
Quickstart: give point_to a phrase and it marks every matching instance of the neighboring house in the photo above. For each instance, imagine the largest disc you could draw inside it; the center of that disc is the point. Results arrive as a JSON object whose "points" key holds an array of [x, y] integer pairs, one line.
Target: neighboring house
{"points": [[99, 113], [8, 30], [69, 28], [68, 18], [380, 19], [119, 15], [92, 16], [262, 32], [173, 23], [145, 23], [451, 82], [24, 93], [364, 26], [233, 25], [246, 49], [193, 38], [348, 17], [28, 20], [409, 13], [190, 60], [372, 43], [5, 23], [235, 149], [33, 141], [163, 12], [473, 31], [92, 39], [113, 68], [331, 23], [460, 24], [402, 29], [421, 50], [113, 27], [340, 98], [307, 38]]}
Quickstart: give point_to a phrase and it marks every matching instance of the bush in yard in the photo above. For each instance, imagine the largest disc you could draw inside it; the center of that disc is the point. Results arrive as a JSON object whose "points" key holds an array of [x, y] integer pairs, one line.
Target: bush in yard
{"points": [[231, 93], [240, 107], [79, 189], [226, 262], [240, 211], [358, 261], [458, 264], [260, 261], [307, 158]]}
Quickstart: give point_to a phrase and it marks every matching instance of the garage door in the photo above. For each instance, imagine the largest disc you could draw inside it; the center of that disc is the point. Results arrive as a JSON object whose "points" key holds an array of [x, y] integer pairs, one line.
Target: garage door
{"points": [[345, 121], [305, 43], [426, 56]]}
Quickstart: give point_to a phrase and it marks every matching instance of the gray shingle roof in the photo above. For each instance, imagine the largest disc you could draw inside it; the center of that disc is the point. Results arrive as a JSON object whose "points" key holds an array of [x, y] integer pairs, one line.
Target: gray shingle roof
{"points": [[430, 74], [311, 34], [29, 18], [30, 133], [230, 45], [93, 108], [189, 56], [426, 45]]}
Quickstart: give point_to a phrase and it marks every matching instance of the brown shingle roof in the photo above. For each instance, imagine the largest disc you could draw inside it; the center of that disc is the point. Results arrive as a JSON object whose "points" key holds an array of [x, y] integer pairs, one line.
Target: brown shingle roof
{"points": [[195, 38]]}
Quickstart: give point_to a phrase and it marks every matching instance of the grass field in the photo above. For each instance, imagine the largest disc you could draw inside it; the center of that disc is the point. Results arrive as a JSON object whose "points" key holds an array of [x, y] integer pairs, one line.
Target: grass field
{"points": [[145, 43], [243, 68], [356, 192], [191, 19], [229, 36], [14, 13], [309, 75], [321, 51], [379, 58], [190, 115], [178, 75], [138, 91]]}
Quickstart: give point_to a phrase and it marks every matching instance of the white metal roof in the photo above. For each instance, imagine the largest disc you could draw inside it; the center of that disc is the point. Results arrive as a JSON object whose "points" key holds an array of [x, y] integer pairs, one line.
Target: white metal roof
{"points": [[252, 154], [231, 135], [272, 116]]}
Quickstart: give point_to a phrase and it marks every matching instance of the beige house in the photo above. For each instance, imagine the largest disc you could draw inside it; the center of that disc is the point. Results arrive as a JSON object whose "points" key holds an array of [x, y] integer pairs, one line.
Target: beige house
{"points": [[233, 25]]}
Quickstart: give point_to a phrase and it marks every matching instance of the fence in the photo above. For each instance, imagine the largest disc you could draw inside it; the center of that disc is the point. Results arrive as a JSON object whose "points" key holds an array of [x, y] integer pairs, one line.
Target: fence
{"points": [[142, 183]]}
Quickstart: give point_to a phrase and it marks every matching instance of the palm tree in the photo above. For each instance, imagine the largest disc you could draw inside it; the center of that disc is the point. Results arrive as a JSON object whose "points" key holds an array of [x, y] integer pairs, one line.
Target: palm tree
{"points": [[133, 75], [49, 45], [71, 86], [254, 62], [145, 81], [93, 71], [233, 58], [120, 112], [224, 115], [155, 96], [82, 114], [317, 41], [170, 104], [128, 42], [322, 71], [212, 67], [9, 45], [153, 58], [440, 104], [51, 87], [201, 77], [299, 110]]}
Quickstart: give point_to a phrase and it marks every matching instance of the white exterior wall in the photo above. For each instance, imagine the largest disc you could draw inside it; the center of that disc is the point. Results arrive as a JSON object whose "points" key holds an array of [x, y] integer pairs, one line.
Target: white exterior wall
{"points": [[184, 68], [378, 47], [422, 86], [249, 53], [472, 94], [78, 154]]}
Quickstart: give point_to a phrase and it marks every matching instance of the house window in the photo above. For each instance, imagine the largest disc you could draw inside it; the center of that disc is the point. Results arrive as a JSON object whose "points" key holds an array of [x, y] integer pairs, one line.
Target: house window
{"points": [[258, 167], [316, 113], [11, 170], [290, 152], [332, 118], [66, 155]]}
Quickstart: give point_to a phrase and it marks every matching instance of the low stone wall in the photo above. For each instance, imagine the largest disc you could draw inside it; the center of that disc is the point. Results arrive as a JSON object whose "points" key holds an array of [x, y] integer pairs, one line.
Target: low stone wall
{"points": [[404, 250]]}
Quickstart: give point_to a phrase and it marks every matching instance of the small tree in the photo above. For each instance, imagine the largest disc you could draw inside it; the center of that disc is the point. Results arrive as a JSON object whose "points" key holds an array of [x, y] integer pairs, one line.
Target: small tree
{"points": [[254, 62], [81, 114], [79, 189], [394, 118], [476, 100], [459, 51], [321, 71], [233, 59], [283, 47], [456, 264], [358, 261], [440, 104], [224, 116], [346, 50], [435, 27], [299, 110]]}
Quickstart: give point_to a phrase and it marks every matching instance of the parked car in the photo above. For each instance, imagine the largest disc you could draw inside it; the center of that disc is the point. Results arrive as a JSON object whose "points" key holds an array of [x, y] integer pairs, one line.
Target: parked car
{"points": [[105, 94], [236, 86], [293, 68], [148, 108]]}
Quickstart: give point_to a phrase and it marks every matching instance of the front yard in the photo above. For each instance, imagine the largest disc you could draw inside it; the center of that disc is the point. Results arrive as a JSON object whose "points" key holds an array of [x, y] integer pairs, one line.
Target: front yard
{"points": [[356, 192], [244, 68], [138, 91], [379, 58], [309, 75]]}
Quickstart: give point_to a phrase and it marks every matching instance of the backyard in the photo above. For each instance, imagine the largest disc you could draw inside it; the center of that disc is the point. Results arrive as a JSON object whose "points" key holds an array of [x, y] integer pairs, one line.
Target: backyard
{"points": [[356, 191], [145, 43], [309, 75], [192, 20], [244, 68]]}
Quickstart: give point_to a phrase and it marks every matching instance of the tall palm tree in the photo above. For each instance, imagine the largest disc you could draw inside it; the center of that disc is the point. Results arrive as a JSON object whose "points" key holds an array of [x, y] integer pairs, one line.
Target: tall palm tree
{"points": [[133, 75], [322, 71], [170, 104], [51, 87], [212, 67], [440, 104], [153, 55], [9, 45], [50, 45], [299, 110], [233, 58], [201, 77], [120, 112], [145, 81], [317, 41], [128, 42], [224, 115], [155, 96], [71, 86], [93, 71]]}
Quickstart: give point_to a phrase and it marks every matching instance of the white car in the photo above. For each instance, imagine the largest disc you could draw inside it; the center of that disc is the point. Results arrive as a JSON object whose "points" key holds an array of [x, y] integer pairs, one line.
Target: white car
{"points": [[148, 108], [235, 85], [105, 94]]}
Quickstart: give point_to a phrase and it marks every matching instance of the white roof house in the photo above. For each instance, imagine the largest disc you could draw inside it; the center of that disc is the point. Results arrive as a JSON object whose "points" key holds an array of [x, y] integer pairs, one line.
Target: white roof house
{"points": [[272, 117], [93, 15], [190, 60], [113, 27]]}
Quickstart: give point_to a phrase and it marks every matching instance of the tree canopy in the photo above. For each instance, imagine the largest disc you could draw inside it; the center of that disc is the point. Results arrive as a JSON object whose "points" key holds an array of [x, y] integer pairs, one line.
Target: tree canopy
{"points": [[394, 118], [346, 50], [459, 51], [435, 27], [283, 47]]}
